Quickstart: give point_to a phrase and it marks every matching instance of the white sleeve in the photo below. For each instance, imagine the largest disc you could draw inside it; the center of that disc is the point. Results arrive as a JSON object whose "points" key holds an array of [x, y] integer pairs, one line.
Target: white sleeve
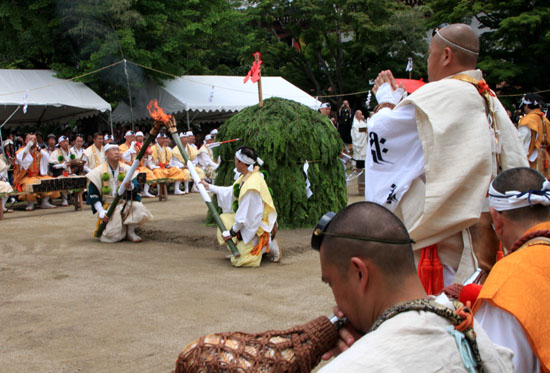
{"points": [[175, 162], [44, 163], [24, 159], [225, 197], [205, 160], [525, 135], [127, 155], [505, 330], [150, 164], [249, 215], [394, 155]]}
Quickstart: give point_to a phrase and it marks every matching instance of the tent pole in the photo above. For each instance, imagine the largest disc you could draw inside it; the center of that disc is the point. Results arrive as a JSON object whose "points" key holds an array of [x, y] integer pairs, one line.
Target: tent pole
{"points": [[188, 125], [129, 94], [111, 122]]}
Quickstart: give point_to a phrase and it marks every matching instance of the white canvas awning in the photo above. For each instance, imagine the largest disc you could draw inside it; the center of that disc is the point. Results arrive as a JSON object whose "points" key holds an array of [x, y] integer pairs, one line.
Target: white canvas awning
{"points": [[209, 98], [48, 98]]}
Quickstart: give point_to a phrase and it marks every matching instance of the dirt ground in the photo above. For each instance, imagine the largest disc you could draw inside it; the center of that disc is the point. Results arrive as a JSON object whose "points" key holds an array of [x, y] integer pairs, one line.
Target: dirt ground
{"points": [[69, 303]]}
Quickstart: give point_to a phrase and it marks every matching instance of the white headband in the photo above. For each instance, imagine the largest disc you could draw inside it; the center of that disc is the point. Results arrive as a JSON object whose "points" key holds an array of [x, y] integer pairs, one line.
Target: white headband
{"points": [[139, 133], [455, 45], [109, 137], [110, 146], [129, 133], [207, 137], [62, 138], [247, 160], [512, 200], [189, 133], [214, 131]]}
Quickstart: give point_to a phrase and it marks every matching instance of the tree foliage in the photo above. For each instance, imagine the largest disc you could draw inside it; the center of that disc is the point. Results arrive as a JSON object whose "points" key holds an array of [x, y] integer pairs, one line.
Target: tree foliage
{"points": [[339, 46], [282, 133], [515, 40]]}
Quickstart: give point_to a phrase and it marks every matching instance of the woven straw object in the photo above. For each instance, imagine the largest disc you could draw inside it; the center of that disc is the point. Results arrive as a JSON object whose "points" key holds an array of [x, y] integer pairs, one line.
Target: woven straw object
{"points": [[298, 349]]}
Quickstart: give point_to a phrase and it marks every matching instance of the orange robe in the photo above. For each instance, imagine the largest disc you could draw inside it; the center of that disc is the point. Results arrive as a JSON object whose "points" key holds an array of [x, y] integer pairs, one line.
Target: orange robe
{"points": [[22, 176], [161, 158], [520, 285], [141, 168], [534, 122]]}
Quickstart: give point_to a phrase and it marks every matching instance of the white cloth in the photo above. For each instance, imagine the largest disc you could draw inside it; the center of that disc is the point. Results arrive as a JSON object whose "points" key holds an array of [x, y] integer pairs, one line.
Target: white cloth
{"points": [[127, 155], [248, 216], [525, 135], [90, 157], [78, 152], [204, 158], [390, 169], [505, 330], [359, 139], [432, 157], [25, 160], [54, 159], [416, 342]]}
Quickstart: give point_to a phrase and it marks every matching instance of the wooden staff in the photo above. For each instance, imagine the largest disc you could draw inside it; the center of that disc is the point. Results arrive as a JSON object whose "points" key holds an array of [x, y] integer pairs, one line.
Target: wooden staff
{"points": [[173, 130], [257, 55], [122, 189]]}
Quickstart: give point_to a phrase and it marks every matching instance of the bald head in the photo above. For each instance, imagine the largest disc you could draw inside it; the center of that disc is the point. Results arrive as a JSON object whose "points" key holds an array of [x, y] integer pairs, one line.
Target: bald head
{"points": [[462, 40], [453, 49], [367, 219]]}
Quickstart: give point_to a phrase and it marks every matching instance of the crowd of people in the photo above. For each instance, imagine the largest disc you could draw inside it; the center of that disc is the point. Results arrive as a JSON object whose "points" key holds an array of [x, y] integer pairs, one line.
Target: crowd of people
{"points": [[32, 158]]}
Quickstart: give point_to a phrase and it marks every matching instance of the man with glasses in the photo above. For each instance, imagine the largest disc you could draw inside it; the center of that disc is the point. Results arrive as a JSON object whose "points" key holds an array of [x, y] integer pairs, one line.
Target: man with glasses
{"points": [[434, 153], [367, 260]]}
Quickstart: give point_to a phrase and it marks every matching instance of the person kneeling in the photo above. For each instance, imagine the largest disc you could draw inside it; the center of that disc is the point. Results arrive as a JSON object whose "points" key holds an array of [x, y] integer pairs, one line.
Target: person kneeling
{"points": [[253, 223], [103, 185]]}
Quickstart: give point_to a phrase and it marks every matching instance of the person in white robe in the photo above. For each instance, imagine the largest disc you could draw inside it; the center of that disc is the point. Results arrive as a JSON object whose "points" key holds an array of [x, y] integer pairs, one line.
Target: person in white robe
{"points": [[359, 137], [104, 182], [433, 154], [204, 158], [249, 211], [366, 259], [94, 155]]}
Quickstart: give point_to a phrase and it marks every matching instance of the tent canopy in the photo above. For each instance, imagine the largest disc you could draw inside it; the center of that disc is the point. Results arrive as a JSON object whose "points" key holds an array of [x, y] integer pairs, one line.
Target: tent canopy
{"points": [[209, 98], [49, 99]]}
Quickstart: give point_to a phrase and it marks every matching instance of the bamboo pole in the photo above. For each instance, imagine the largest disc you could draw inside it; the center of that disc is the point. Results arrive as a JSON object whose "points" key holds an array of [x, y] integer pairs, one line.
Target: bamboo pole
{"points": [[260, 96], [173, 130]]}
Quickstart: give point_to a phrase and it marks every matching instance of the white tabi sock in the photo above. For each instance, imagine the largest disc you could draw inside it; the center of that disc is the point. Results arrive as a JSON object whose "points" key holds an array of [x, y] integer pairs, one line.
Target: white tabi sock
{"points": [[186, 187], [46, 204], [131, 234], [177, 189]]}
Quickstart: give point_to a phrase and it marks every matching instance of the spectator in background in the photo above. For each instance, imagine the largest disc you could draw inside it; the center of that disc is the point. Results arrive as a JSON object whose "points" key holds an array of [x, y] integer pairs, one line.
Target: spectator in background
{"points": [[345, 119]]}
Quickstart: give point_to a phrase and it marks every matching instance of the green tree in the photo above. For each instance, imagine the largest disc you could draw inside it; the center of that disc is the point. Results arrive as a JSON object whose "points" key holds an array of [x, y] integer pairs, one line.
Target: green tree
{"points": [[515, 39], [341, 45]]}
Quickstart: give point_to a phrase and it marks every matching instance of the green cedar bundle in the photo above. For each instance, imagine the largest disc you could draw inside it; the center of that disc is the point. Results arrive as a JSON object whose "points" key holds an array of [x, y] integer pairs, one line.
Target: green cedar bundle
{"points": [[286, 134]]}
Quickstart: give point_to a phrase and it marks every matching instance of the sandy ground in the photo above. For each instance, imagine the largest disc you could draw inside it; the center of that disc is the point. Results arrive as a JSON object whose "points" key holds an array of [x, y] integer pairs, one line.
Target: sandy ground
{"points": [[69, 303]]}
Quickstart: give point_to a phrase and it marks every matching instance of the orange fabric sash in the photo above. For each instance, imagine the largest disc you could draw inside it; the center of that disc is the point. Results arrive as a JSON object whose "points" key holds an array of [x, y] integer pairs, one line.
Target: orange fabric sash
{"points": [[263, 241], [518, 285]]}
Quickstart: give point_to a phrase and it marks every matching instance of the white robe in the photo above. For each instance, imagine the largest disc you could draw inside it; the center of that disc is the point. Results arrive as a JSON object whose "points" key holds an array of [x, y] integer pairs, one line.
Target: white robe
{"points": [[416, 342], [504, 329], [248, 216], [359, 139]]}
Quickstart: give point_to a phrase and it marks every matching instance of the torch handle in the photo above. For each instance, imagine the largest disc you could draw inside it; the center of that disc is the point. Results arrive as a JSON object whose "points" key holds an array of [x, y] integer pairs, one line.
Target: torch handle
{"points": [[173, 131], [152, 134]]}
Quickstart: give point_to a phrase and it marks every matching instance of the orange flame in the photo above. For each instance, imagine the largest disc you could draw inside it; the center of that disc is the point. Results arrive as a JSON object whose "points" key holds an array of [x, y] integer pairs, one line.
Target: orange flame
{"points": [[157, 113]]}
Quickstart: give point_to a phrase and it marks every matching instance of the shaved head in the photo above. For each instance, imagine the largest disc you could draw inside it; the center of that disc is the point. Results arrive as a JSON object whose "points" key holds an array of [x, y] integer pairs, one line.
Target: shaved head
{"points": [[465, 40], [367, 219], [523, 179]]}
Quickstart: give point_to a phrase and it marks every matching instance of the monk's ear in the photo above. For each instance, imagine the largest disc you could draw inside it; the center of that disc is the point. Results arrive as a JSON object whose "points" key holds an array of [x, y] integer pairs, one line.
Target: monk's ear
{"points": [[497, 221], [360, 272], [447, 56]]}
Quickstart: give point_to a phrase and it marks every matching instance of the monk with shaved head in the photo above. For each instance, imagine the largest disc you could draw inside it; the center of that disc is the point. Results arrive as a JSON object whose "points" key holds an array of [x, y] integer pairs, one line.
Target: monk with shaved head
{"points": [[367, 260], [434, 153]]}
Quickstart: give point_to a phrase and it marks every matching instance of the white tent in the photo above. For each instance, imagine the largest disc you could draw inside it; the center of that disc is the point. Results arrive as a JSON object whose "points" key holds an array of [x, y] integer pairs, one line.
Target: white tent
{"points": [[45, 98], [209, 98]]}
